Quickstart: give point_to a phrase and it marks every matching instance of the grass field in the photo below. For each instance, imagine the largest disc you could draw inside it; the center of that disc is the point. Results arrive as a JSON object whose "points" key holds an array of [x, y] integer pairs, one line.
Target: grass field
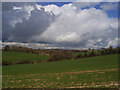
{"points": [[17, 56], [98, 72], [88, 52]]}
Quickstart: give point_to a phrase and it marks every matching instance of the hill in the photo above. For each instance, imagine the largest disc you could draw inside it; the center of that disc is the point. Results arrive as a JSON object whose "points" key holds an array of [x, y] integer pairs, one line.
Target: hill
{"points": [[10, 57], [98, 71]]}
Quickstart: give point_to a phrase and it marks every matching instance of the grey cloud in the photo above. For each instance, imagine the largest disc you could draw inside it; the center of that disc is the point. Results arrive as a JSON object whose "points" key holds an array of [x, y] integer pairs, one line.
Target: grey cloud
{"points": [[88, 28], [109, 6], [6, 6], [35, 25], [80, 5], [25, 29]]}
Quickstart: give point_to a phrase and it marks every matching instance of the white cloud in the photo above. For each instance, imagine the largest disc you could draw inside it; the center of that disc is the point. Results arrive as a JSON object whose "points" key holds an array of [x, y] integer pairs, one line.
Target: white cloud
{"points": [[75, 27], [113, 43], [30, 45], [109, 6], [69, 37], [25, 9], [15, 8], [72, 27], [55, 9], [89, 4]]}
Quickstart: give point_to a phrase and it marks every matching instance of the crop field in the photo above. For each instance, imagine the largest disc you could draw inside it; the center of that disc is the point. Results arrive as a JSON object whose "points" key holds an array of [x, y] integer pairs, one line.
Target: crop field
{"points": [[92, 72], [17, 56], [88, 52]]}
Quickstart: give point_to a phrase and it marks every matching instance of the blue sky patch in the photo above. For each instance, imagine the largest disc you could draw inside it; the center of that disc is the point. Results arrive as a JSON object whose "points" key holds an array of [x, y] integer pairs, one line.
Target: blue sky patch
{"points": [[55, 3]]}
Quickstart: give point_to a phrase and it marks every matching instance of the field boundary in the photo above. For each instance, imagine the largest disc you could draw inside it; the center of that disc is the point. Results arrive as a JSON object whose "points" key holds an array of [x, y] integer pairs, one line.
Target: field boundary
{"points": [[78, 72]]}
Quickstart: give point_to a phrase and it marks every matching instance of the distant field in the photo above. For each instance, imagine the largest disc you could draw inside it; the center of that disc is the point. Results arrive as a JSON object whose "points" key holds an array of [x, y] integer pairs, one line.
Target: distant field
{"points": [[17, 56], [88, 52], [99, 72]]}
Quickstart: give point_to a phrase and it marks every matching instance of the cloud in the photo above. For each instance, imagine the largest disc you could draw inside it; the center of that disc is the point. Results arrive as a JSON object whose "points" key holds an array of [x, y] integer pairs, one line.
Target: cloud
{"points": [[80, 5], [68, 26], [30, 45], [6, 6], [75, 28], [55, 9], [113, 42], [23, 24], [109, 6]]}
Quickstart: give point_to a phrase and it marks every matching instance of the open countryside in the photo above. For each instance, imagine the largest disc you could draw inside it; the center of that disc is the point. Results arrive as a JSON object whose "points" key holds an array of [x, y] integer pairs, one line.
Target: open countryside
{"points": [[38, 71]]}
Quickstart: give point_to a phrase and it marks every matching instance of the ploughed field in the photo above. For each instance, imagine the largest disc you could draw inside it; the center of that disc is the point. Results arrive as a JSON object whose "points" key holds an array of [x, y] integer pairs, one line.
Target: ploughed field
{"points": [[95, 72]]}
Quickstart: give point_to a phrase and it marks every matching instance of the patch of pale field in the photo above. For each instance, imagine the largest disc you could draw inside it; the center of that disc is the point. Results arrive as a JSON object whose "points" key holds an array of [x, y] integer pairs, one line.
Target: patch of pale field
{"points": [[54, 80], [62, 74], [93, 85]]}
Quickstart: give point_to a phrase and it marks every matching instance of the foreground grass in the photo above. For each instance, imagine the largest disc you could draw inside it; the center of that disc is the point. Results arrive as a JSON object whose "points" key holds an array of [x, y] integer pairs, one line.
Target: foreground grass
{"points": [[17, 56], [100, 71]]}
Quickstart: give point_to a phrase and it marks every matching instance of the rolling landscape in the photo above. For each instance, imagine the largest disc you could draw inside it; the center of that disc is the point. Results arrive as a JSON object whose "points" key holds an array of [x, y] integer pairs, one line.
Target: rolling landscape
{"points": [[98, 71], [59, 45]]}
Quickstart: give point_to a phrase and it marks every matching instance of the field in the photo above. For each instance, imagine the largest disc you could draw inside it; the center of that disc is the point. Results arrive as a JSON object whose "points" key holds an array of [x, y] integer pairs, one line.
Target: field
{"points": [[92, 72], [88, 52], [17, 56]]}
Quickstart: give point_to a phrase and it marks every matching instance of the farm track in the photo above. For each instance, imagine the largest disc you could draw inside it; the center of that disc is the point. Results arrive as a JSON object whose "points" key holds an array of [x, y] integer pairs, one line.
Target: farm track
{"points": [[96, 86], [52, 74]]}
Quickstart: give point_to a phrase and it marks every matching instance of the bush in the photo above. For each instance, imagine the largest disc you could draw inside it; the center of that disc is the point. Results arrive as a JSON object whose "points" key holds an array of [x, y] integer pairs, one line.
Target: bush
{"points": [[79, 56], [118, 48], [5, 63], [6, 48], [92, 53], [85, 55], [24, 62], [60, 55], [39, 61]]}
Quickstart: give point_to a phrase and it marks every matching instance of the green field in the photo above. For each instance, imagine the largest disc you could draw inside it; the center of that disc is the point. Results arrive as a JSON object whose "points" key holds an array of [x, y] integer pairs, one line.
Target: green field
{"points": [[98, 72], [17, 56], [88, 52]]}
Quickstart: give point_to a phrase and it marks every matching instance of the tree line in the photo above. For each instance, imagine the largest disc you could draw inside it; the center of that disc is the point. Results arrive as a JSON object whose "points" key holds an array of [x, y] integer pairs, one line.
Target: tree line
{"points": [[61, 54]]}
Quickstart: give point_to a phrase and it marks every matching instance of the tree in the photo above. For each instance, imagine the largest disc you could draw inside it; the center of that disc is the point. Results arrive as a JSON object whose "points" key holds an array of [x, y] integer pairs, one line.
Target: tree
{"points": [[92, 53], [103, 52], [6, 48], [110, 50], [79, 56], [60, 55], [85, 55], [118, 48]]}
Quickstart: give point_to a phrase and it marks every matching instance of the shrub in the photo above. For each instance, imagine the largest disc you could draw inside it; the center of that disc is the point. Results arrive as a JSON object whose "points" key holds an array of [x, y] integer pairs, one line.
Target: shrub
{"points": [[5, 63], [6, 48], [24, 62], [85, 55], [39, 61], [79, 56], [51, 58], [92, 53], [118, 48], [60, 55], [103, 52]]}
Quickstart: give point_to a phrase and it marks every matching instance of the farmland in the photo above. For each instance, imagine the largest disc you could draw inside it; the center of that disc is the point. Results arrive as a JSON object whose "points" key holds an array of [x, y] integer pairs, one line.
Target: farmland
{"points": [[14, 57], [98, 72]]}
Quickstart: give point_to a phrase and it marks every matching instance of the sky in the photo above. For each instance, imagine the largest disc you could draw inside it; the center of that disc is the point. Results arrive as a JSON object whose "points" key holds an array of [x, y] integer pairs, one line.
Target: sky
{"points": [[68, 25]]}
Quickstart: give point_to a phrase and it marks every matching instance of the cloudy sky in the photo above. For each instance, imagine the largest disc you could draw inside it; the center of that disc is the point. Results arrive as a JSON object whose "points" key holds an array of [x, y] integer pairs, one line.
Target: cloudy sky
{"points": [[70, 25]]}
